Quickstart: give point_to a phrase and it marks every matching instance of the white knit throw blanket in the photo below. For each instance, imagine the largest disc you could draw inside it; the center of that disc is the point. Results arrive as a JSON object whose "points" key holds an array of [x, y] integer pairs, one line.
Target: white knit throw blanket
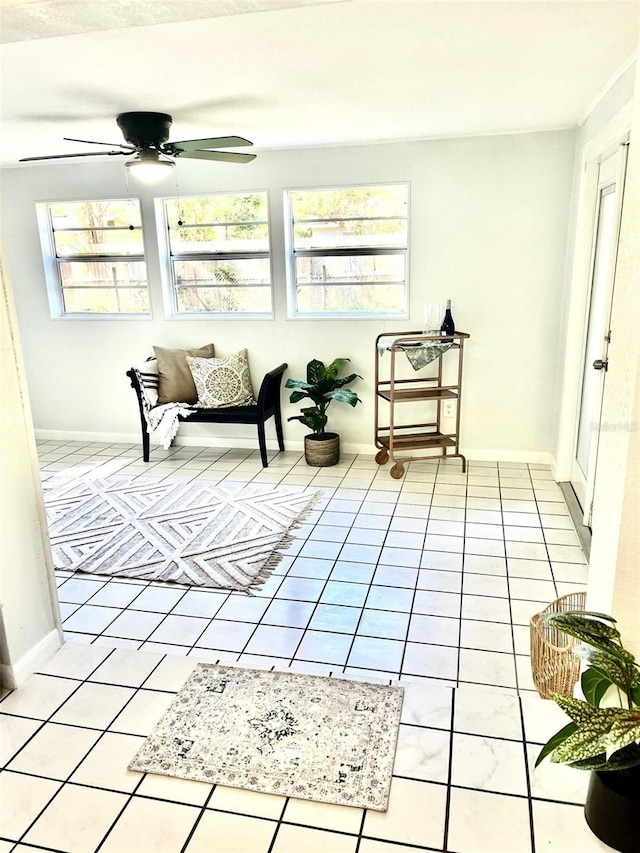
{"points": [[163, 423]]}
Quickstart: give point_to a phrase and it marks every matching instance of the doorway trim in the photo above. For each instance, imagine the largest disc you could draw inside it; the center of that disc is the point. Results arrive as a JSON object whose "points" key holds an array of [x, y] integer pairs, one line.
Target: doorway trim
{"points": [[615, 133]]}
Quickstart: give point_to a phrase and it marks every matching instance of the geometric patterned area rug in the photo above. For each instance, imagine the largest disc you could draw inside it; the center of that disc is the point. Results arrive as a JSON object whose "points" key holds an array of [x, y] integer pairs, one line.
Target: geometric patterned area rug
{"points": [[305, 736], [191, 533]]}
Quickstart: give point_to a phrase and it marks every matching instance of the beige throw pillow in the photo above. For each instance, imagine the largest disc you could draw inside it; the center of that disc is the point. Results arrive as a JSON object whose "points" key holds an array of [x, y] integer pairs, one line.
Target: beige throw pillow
{"points": [[175, 382], [222, 382]]}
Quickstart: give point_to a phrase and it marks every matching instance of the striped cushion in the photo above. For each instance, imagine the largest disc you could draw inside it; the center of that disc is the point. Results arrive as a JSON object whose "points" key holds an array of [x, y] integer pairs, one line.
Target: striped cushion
{"points": [[147, 373]]}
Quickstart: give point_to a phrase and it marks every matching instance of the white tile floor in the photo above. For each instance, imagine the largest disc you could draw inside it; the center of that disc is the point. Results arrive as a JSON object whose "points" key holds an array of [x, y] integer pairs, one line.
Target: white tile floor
{"points": [[430, 580]]}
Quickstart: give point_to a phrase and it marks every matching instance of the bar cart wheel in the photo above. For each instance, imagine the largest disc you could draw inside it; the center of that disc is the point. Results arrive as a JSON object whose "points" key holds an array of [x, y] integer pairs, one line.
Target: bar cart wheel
{"points": [[382, 456], [397, 471]]}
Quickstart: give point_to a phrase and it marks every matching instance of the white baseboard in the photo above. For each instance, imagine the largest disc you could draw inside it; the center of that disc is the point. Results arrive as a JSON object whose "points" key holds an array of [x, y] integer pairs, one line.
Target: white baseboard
{"points": [[134, 438], [536, 457], [80, 435], [13, 675], [246, 443]]}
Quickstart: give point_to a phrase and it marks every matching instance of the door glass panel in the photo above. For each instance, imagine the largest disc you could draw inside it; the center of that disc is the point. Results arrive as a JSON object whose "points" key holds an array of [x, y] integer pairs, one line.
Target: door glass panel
{"points": [[598, 321]]}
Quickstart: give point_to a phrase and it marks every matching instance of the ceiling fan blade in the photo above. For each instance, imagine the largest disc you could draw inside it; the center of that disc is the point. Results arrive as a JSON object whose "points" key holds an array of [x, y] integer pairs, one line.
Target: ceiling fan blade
{"points": [[214, 142], [65, 156], [225, 156], [93, 142]]}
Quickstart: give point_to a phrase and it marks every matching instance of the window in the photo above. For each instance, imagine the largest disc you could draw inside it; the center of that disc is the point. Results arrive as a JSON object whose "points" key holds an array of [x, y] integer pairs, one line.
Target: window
{"points": [[217, 258], [94, 257], [347, 251]]}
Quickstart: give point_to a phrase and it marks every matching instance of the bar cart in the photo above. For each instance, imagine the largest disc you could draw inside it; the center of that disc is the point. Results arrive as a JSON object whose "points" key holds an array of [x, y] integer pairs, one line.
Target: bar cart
{"points": [[408, 439]]}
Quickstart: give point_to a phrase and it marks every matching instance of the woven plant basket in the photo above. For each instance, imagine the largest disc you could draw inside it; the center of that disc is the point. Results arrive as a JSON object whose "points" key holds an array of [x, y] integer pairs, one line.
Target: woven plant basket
{"points": [[554, 665], [322, 451]]}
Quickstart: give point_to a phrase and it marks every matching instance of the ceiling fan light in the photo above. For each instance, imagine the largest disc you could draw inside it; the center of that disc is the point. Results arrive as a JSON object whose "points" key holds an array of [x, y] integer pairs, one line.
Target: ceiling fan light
{"points": [[149, 167]]}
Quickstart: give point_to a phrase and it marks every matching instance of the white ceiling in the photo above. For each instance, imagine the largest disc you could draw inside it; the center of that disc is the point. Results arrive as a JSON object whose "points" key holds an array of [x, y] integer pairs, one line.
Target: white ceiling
{"points": [[303, 72]]}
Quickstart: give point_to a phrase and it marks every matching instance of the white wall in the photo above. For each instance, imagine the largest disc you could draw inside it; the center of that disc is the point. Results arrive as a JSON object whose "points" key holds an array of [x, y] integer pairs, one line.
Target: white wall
{"points": [[29, 616], [622, 586], [489, 218]]}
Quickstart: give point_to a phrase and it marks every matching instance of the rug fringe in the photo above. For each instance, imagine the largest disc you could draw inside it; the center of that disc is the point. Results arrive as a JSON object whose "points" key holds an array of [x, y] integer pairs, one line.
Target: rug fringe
{"points": [[275, 558], [300, 520]]}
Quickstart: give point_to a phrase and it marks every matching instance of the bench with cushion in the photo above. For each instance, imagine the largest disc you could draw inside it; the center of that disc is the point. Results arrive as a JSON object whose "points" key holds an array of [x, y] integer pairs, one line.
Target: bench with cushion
{"points": [[266, 406]]}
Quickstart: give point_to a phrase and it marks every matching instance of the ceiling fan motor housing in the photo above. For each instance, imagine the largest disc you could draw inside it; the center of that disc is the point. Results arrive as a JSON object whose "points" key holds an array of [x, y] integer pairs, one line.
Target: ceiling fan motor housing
{"points": [[145, 130]]}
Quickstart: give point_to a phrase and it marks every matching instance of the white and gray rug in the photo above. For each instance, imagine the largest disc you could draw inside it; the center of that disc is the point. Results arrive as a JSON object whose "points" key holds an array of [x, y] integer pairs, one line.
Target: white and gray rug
{"points": [[192, 533], [305, 736]]}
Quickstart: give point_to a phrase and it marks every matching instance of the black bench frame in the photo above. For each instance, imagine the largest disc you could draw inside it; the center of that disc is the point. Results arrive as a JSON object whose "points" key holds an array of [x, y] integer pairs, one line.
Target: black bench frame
{"points": [[268, 405]]}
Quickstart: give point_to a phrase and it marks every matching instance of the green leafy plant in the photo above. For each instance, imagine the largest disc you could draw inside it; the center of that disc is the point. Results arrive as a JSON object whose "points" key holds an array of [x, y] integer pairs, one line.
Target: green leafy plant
{"points": [[598, 738], [322, 387]]}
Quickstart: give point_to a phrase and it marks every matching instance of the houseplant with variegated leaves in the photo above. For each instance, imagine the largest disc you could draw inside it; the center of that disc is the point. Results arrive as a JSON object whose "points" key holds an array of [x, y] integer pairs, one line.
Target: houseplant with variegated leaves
{"points": [[604, 733]]}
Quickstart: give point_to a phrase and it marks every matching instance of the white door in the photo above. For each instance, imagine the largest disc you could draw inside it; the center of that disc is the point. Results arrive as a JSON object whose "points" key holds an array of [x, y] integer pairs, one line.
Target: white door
{"points": [[597, 326]]}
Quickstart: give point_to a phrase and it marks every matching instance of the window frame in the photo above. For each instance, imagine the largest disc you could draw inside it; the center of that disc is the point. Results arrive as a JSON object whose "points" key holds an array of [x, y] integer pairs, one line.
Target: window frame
{"points": [[167, 267], [291, 254], [51, 261]]}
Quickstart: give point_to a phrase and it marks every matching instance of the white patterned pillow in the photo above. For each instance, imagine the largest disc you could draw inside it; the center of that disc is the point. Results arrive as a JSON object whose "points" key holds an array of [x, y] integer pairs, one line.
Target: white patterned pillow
{"points": [[222, 382]]}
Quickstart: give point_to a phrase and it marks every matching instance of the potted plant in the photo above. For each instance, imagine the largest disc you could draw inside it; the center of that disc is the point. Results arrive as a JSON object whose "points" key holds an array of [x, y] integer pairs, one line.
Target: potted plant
{"points": [[322, 387], [604, 733]]}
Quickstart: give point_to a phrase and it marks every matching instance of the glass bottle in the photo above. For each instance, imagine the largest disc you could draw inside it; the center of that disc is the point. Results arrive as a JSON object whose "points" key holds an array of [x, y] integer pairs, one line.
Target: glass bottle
{"points": [[448, 326]]}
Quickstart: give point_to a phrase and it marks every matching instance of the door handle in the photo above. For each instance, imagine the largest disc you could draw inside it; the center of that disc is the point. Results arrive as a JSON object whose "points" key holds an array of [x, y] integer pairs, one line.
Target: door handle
{"points": [[600, 364]]}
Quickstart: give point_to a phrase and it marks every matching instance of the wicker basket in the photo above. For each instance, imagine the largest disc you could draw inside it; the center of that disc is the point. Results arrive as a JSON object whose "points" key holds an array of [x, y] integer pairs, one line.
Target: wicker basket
{"points": [[554, 665], [322, 451]]}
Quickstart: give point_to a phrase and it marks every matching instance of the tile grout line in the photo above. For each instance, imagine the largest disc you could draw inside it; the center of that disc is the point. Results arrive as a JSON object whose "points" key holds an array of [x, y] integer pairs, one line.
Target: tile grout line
{"points": [[49, 719], [278, 825], [447, 812], [546, 546], [203, 811], [317, 603], [120, 813], [462, 594], [413, 600], [370, 584], [156, 798], [527, 776], [507, 579]]}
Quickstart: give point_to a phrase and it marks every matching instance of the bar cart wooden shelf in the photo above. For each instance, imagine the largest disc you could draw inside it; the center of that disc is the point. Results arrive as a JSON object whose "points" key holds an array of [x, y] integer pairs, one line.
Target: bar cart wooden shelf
{"points": [[407, 439]]}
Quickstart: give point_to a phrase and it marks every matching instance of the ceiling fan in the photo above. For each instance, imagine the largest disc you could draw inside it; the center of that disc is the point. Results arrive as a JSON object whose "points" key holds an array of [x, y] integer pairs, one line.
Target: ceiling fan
{"points": [[146, 136]]}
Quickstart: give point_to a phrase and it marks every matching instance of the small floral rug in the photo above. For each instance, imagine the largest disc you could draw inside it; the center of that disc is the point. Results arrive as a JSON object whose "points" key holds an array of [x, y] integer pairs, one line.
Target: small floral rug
{"points": [[306, 736]]}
